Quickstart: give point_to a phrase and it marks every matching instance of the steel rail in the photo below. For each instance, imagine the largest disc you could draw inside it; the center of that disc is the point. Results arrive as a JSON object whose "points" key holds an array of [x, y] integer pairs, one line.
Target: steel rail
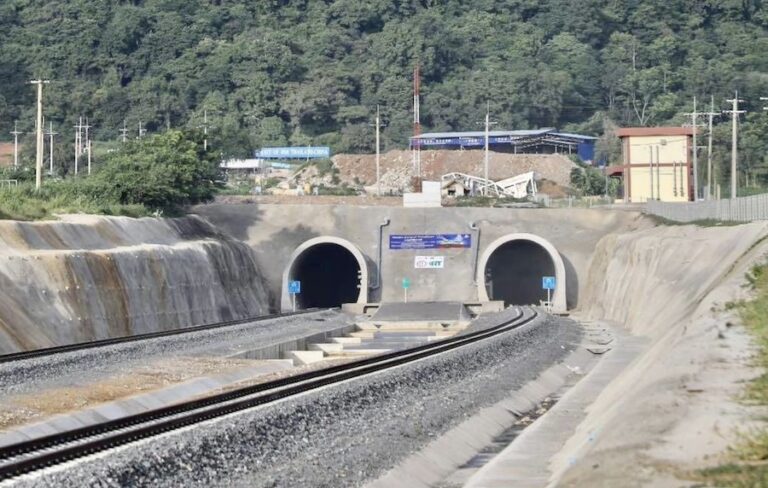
{"points": [[38, 454], [80, 346]]}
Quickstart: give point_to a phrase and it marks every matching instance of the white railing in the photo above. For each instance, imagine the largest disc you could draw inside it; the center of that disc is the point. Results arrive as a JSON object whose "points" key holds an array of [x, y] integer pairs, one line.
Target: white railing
{"points": [[8, 183], [742, 209]]}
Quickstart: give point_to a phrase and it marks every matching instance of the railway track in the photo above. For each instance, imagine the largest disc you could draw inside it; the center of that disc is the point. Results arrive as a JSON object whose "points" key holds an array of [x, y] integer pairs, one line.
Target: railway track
{"points": [[50, 351], [38, 454]]}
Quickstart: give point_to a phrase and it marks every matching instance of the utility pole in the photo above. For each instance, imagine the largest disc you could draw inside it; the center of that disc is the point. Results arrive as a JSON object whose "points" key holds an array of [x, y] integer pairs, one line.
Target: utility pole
{"points": [[142, 130], [711, 115], [50, 133], [735, 112], [416, 128], [78, 144], [16, 133], [695, 124], [124, 131], [487, 146], [39, 127], [205, 130], [88, 143], [378, 151]]}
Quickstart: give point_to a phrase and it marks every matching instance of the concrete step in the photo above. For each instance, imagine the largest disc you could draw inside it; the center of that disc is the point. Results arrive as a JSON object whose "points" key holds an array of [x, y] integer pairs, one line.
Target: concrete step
{"points": [[358, 352], [301, 358], [389, 346], [414, 326], [347, 340], [362, 334], [326, 347]]}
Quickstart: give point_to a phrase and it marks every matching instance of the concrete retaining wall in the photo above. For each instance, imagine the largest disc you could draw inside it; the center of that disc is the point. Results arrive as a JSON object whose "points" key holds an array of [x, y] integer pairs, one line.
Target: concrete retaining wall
{"points": [[276, 231]]}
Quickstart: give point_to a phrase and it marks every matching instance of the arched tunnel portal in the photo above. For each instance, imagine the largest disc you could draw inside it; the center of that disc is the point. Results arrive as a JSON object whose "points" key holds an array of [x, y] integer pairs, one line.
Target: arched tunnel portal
{"points": [[332, 271], [512, 267]]}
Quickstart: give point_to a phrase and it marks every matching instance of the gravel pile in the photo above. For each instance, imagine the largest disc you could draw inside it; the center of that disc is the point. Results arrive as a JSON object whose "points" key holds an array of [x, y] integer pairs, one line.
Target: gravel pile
{"points": [[90, 365], [343, 435]]}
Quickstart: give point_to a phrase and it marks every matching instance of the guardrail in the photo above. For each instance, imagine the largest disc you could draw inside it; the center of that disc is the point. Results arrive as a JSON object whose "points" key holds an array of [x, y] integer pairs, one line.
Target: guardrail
{"points": [[742, 209]]}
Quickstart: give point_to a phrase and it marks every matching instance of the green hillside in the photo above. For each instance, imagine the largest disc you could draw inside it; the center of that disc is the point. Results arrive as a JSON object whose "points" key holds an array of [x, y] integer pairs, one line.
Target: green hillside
{"points": [[290, 71]]}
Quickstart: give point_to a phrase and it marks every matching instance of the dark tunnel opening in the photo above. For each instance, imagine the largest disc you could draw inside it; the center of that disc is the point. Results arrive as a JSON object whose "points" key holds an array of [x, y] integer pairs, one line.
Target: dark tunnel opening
{"points": [[514, 272], [329, 276]]}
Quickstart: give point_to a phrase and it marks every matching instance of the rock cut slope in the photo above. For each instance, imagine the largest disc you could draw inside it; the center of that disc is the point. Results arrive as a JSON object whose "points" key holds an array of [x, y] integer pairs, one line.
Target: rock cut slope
{"points": [[87, 278]]}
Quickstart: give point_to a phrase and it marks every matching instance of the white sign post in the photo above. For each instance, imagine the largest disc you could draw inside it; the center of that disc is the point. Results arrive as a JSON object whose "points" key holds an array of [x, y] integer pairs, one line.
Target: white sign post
{"points": [[406, 285], [294, 288], [548, 283]]}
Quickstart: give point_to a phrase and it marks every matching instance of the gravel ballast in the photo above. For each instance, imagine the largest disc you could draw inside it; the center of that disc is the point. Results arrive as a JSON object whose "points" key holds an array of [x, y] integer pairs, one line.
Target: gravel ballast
{"points": [[91, 365], [341, 435]]}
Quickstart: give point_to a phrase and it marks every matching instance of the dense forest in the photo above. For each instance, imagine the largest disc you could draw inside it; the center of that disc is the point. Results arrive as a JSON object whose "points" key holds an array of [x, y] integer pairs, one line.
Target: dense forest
{"points": [[278, 72]]}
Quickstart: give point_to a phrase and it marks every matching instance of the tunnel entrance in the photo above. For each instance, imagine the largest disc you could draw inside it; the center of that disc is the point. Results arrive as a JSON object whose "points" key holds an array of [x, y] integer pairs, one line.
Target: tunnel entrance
{"points": [[514, 272], [330, 275]]}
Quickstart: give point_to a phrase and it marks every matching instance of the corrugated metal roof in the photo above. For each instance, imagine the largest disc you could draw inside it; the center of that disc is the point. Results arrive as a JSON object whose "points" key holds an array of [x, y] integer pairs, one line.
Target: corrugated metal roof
{"points": [[575, 136], [503, 133], [493, 133]]}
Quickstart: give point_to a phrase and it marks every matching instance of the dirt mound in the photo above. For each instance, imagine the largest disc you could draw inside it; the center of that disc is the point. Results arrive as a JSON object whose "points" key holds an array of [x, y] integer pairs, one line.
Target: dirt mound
{"points": [[396, 166]]}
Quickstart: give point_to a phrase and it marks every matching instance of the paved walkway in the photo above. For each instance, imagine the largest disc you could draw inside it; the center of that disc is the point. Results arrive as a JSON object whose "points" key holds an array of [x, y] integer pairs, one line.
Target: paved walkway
{"points": [[525, 462]]}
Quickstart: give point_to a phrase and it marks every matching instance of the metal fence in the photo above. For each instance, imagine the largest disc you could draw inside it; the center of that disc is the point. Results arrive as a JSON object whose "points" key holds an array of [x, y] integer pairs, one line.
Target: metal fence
{"points": [[742, 209]]}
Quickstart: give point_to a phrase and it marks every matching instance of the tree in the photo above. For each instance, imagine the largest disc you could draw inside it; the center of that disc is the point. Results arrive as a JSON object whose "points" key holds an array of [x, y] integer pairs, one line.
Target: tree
{"points": [[164, 171]]}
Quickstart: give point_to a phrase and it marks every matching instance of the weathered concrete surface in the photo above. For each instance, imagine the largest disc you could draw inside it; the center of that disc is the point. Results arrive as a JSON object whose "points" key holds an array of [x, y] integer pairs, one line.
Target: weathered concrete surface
{"points": [[674, 409], [85, 277], [275, 231]]}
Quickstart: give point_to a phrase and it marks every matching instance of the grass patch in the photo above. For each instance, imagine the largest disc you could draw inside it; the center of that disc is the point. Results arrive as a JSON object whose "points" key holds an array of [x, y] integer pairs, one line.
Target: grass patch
{"points": [[699, 223], [748, 463], [481, 201], [58, 197]]}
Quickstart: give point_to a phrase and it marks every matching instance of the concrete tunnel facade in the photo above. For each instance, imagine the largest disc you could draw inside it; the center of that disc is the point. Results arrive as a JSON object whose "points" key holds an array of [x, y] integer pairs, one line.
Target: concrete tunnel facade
{"points": [[332, 271], [511, 269]]}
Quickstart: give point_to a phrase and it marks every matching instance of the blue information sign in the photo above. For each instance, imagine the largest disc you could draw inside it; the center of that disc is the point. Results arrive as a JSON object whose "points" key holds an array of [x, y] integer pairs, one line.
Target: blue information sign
{"points": [[430, 241], [307, 152], [294, 287], [548, 282]]}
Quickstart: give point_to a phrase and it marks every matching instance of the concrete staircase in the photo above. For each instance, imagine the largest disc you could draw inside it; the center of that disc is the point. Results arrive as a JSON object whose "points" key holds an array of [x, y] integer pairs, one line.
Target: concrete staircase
{"points": [[370, 340]]}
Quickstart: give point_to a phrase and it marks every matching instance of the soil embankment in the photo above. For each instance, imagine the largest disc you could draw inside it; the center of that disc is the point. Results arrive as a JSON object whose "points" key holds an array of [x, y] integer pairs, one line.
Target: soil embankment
{"points": [[87, 278], [396, 167]]}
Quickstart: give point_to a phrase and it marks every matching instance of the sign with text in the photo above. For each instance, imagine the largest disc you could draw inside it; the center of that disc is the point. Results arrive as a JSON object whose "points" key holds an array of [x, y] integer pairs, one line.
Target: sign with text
{"points": [[430, 241], [307, 152], [429, 262]]}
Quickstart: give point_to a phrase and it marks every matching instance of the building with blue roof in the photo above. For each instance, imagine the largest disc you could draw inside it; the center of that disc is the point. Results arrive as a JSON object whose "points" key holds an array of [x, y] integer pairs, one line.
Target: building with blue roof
{"points": [[538, 141]]}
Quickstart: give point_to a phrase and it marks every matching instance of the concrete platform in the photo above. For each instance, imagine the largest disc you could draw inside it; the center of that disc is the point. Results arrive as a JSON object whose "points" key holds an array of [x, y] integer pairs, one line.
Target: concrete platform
{"points": [[422, 312]]}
